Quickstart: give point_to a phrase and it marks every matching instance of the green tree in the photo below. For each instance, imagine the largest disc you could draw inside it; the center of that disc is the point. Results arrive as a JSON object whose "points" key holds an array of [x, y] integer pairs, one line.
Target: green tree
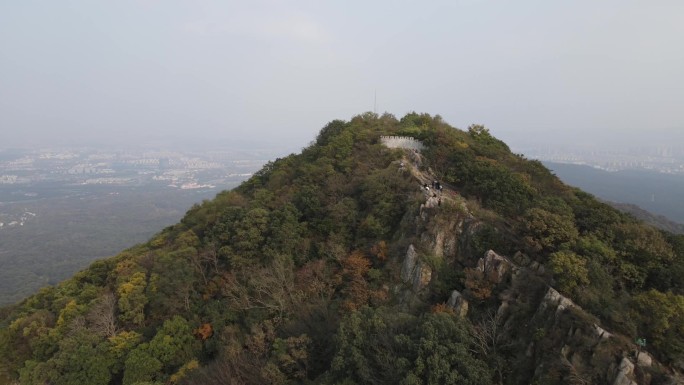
{"points": [[661, 321], [81, 359], [172, 347], [497, 186], [642, 245], [595, 249], [250, 232], [443, 354], [547, 232], [374, 347], [569, 270], [174, 344], [119, 347], [132, 299], [384, 346], [141, 366], [485, 144]]}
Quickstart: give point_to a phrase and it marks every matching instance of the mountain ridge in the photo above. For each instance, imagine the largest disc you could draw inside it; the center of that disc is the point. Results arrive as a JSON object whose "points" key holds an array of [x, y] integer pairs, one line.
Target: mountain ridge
{"points": [[337, 265], [651, 190]]}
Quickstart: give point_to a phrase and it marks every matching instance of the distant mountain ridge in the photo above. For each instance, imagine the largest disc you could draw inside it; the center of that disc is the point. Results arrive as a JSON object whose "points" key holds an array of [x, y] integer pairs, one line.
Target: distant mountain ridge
{"points": [[659, 221], [650, 190]]}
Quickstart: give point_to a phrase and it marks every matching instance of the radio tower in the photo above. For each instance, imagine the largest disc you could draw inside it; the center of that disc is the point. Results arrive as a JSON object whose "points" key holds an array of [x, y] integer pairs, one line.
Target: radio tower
{"points": [[375, 101]]}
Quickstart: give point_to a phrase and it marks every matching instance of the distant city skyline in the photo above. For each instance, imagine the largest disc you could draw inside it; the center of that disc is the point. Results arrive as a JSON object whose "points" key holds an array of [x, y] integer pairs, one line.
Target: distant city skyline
{"points": [[272, 73]]}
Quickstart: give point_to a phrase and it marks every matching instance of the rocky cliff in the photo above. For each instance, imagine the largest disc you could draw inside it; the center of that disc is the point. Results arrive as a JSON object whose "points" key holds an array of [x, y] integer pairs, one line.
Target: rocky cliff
{"points": [[555, 339]]}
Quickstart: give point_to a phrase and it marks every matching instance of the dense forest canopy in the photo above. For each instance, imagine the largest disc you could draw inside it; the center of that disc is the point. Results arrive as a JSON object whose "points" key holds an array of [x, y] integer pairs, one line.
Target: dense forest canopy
{"points": [[296, 277]]}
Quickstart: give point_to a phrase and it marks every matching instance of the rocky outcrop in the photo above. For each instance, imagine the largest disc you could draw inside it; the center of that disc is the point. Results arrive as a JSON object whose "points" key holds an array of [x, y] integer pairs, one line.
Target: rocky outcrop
{"points": [[414, 271], [409, 265], [560, 338], [601, 333], [432, 201], [644, 359], [494, 266], [442, 240], [525, 261], [625, 373], [458, 303], [554, 300]]}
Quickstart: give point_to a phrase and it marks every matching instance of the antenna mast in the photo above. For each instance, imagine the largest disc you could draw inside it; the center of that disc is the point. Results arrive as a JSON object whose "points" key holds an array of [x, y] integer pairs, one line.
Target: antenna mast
{"points": [[375, 101]]}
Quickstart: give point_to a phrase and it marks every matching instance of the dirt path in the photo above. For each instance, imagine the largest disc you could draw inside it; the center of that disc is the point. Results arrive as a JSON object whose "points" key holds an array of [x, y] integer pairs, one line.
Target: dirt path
{"points": [[413, 161]]}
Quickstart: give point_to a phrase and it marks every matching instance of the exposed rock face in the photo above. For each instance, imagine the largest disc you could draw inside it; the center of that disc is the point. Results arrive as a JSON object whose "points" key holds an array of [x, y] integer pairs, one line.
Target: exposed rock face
{"points": [[443, 240], [644, 359], [469, 228], [625, 373], [458, 303], [555, 300], [554, 336], [586, 348], [537, 267], [415, 272], [521, 259], [601, 333], [525, 261], [409, 264], [431, 202], [422, 279], [494, 266]]}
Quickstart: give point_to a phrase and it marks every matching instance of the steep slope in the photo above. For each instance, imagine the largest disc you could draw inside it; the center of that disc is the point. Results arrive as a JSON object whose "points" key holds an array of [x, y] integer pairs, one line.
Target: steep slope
{"points": [[337, 265]]}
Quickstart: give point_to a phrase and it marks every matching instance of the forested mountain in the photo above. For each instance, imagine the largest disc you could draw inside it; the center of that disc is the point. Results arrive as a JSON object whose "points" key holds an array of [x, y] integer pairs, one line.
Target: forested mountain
{"points": [[339, 266]]}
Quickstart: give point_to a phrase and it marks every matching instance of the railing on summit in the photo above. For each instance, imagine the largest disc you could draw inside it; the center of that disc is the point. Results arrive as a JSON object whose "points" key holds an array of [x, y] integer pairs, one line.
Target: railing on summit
{"points": [[406, 142]]}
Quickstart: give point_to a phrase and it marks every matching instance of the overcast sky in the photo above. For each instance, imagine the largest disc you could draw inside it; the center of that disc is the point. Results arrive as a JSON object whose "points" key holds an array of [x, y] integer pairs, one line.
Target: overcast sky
{"points": [[275, 72]]}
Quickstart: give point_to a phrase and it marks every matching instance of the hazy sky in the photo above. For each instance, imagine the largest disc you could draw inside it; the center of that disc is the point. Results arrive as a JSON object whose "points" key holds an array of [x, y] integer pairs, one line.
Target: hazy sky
{"points": [[275, 72]]}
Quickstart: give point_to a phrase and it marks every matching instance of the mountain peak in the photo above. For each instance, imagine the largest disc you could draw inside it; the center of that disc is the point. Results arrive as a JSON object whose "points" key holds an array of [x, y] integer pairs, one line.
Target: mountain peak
{"points": [[388, 251]]}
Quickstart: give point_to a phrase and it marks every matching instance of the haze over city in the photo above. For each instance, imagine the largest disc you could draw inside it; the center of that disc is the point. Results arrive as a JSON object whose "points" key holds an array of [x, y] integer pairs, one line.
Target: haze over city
{"points": [[272, 73]]}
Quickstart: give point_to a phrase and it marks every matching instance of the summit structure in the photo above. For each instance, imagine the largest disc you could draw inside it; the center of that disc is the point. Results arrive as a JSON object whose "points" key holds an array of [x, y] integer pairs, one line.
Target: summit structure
{"points": [[406, 142]]}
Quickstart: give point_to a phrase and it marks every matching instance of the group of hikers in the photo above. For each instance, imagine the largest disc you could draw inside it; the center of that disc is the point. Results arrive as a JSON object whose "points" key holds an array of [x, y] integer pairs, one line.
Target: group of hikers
{"points": [[436, 191], [436, 187]]}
